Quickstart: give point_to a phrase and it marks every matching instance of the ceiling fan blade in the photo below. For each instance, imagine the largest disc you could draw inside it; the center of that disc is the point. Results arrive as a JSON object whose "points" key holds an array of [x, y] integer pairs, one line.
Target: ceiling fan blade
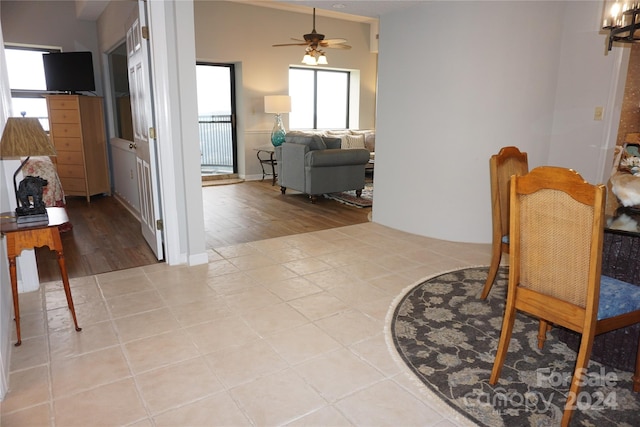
{"points": [[333, 41], [336, 46], [290, 44]]}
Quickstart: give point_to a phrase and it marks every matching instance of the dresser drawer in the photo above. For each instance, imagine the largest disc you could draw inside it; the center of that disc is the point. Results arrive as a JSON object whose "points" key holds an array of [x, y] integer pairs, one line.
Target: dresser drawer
{"points": [[69, 158], [64, 116], [70, 171], [65, 130], [63, 103], [68, 144], [73, 185]]}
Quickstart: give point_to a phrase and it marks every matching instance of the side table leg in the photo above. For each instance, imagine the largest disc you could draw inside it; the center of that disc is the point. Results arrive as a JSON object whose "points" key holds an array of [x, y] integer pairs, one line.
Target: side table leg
{"points": [[14, 291], [57, 246], [67, 289], [261, 164], [273, 169]]}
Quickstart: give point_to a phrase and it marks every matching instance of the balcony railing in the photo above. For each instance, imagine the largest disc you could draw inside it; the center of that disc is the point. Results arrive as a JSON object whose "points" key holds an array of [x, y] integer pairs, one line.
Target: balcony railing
{"points": [[215, 140]]}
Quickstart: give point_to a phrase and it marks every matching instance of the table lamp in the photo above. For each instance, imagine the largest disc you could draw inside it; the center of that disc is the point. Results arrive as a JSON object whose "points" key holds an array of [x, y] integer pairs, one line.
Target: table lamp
{"points": [[277, 104], [24, 137]]}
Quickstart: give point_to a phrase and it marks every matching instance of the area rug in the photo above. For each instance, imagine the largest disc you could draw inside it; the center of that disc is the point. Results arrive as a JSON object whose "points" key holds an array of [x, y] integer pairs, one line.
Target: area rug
{"points": [[350, 198], [447, 338]]}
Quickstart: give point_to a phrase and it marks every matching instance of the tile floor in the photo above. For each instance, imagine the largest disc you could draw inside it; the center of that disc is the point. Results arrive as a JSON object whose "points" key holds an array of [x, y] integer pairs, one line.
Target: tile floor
{"points": [[287, 331]]}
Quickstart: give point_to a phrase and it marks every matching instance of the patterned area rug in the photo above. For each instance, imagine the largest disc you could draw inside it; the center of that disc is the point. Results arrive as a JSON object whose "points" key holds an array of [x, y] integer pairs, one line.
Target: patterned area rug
{"points": [[349, 197], [447, 337]]}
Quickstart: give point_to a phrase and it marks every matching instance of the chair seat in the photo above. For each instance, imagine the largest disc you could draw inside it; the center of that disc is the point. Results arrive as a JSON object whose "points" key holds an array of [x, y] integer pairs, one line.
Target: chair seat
{"points": [[617, 297]]}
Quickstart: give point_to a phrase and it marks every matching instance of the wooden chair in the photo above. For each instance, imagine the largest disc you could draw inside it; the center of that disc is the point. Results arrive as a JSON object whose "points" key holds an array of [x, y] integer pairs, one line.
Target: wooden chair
{"points": [[509, 161], [556, 236]]}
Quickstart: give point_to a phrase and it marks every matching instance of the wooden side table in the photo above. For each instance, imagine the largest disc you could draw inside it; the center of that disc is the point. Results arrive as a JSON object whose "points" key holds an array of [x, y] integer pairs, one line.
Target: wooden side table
{"points": [[31, 236]]}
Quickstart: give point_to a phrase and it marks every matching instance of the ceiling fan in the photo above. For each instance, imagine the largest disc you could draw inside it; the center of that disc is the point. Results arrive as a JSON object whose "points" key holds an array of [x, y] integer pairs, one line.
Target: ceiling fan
{"points": [[314, 40]]}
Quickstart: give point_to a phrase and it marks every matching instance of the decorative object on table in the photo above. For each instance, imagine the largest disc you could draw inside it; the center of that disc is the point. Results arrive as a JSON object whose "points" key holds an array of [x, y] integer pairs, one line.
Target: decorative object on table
{"points": [[53, 193], [24, 137], [446, 338], [625, 179], [277, 104], [313, 41], [622, 20]]}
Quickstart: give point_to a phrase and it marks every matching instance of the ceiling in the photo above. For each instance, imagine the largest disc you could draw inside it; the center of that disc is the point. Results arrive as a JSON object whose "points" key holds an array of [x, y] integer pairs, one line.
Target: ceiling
{"points": [[361, 10], [353, 10]]}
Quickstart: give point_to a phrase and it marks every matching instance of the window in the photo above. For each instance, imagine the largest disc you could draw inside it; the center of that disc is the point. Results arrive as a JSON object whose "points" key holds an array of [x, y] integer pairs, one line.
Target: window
{"points": [[27, 82], [320, 98]]}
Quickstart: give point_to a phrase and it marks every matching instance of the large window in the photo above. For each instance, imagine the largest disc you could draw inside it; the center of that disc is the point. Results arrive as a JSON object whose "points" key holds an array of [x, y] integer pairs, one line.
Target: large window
{"points": [[27, 82], [319, 98]]}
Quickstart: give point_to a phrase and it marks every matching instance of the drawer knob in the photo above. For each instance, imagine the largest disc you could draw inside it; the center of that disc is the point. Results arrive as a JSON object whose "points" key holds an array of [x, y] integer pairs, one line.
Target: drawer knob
{"points": [[133, 146]]}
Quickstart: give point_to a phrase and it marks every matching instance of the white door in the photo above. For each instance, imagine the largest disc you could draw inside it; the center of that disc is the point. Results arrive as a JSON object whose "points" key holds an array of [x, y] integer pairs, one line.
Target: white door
{"points": [[144, 143]]}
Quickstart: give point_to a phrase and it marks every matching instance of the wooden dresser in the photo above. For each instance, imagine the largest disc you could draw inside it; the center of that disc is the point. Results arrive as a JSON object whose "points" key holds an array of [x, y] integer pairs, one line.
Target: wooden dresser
{"points": [[78, 133]]}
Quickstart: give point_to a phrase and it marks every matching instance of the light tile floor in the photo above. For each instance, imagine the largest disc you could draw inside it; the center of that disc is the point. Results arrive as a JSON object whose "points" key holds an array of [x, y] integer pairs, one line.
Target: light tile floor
{"points": [[286, 331]]}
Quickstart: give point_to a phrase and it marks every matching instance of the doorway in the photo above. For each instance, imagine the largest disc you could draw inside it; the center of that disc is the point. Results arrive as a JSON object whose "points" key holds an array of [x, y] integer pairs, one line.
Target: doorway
{"points": [[217, 119]]}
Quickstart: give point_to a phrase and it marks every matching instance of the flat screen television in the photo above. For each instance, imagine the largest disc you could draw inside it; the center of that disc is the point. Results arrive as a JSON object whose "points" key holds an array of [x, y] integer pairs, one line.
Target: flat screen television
{"points": [[69, 71]]}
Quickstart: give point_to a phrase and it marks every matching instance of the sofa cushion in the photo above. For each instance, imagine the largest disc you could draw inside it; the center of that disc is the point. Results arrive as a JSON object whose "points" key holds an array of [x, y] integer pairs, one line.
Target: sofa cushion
{"points": [[336, 157], [338, 133], [332, 142], [352, 141], [369, 138], [314, 142]]}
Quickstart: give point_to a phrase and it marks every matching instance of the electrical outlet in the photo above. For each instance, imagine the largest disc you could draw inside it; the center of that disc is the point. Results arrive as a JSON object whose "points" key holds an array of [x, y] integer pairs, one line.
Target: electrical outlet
{"points": [[598, 113]]}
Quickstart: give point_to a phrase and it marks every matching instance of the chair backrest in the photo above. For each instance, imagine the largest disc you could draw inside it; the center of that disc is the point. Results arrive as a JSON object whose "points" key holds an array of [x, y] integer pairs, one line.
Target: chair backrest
{"points": [[556, 235], [509, 161]]}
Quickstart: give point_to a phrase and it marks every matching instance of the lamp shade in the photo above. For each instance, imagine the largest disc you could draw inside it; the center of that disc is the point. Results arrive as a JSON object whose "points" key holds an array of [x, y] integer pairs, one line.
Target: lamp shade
{"points": [[277, 104], [23, 137]]}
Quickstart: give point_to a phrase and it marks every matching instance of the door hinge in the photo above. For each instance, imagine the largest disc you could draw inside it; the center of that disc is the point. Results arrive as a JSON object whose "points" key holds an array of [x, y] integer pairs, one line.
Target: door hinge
{"points": [[145, 32], [159, 224], [152, 133]]}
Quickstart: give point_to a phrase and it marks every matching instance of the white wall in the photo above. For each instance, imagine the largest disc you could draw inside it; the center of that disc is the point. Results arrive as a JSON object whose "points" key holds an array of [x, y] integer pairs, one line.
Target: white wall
{"points": [[577, 140], [488, 74]]}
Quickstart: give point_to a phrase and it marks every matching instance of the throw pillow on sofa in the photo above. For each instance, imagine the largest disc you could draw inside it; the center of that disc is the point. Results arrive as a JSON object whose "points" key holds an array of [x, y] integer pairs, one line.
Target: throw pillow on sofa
{"points": [[369, 138], [352, 141]]}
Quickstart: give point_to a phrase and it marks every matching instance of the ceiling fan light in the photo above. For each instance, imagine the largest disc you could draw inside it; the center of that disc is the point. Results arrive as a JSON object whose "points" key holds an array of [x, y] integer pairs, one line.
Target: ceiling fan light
{"points": [[322, 59], [308, 59]]}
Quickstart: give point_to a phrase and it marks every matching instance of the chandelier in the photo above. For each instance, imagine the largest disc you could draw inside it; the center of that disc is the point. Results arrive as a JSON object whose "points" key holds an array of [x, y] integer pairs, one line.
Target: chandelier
{"points": [[314, 56], [622, 22]]}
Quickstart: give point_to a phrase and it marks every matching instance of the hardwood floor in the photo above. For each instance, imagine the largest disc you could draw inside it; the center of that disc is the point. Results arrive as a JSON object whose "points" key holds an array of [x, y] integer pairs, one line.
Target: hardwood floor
{"points": [[106, 237]]}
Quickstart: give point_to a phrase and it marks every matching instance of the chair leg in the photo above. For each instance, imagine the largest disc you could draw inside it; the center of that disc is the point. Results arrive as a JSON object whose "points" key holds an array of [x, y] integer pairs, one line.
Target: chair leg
{"points": [[582, 362], [636, 376], [503, 345], [543, 327], [496, 256]]}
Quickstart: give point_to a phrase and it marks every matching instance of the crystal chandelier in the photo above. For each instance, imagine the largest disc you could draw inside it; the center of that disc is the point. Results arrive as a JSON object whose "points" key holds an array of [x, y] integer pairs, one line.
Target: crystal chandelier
{"points": [[622, 21]]}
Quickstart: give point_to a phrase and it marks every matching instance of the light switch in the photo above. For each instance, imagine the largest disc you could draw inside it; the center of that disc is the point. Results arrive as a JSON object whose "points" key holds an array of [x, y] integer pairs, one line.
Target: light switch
{"points": [[599, 112]]}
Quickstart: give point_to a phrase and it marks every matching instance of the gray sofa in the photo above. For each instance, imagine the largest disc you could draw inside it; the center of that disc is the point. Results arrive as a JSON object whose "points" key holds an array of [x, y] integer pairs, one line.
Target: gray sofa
{"points": [[316, 165]]}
